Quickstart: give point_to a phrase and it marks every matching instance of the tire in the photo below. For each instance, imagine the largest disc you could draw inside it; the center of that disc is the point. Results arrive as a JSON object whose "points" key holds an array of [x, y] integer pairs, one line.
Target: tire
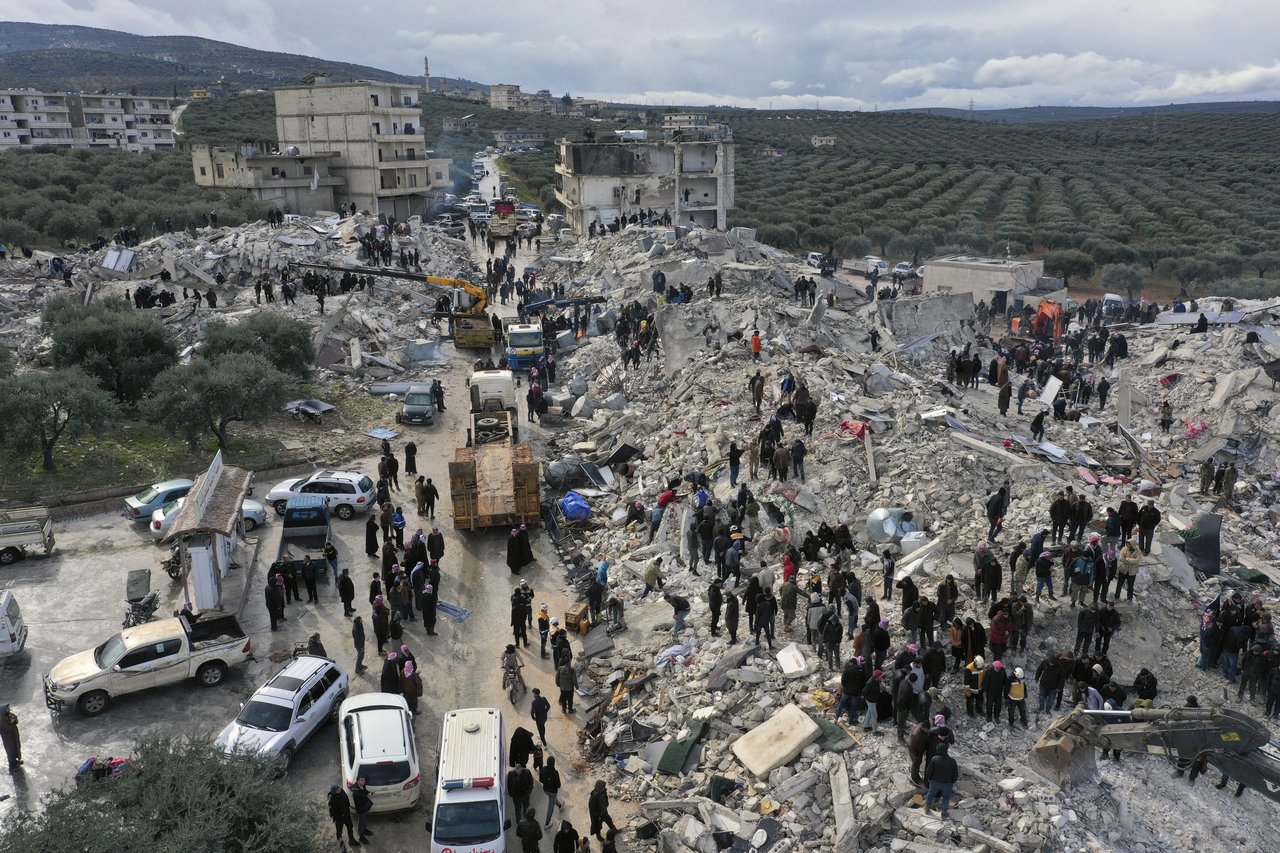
{"points": [[249, 525], [337, 705], [511, 692], [283, 760], [211, 673], [279, 507], [487, 422], [345, 512], [93, 703], [8, 556]]}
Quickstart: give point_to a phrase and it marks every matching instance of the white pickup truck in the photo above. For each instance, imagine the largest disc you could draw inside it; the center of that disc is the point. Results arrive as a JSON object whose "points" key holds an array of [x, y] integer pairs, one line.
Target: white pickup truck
{"points": [[24, 527], [152, 655], [865, 266]]}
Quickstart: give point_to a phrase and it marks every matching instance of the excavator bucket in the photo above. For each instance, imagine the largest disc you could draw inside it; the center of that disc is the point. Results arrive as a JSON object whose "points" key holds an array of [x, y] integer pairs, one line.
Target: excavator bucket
{"points": [[1064, 758]]}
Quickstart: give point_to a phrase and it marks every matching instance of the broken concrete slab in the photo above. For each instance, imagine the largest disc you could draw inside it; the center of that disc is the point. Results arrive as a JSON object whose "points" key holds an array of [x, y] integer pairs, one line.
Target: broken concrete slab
{"points": [[776, 741]]}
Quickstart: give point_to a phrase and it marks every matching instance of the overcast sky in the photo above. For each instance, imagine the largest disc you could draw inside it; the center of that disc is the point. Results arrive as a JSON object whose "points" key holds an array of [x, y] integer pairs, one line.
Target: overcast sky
{"points": [[836, 54]]}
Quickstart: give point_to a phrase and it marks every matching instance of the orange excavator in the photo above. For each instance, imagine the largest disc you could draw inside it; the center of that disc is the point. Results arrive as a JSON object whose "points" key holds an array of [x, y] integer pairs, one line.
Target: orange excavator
{"points": [[1049, 321]]}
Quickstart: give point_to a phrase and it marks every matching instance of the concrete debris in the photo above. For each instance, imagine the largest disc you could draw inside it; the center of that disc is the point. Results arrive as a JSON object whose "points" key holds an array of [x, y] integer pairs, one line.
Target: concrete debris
{"points": [[893, 433]]}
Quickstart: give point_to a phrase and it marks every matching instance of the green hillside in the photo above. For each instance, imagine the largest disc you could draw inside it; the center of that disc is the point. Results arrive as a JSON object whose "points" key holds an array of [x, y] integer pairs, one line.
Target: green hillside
{"points": [[74, 58]]}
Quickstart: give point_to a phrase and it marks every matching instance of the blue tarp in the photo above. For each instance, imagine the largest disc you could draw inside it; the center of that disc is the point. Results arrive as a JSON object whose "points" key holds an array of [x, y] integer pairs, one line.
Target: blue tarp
{"points": [[575, 507]]}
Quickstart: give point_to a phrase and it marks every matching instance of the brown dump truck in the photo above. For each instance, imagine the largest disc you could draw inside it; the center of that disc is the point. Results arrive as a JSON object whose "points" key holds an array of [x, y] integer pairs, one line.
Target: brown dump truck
{"points": [[493, 481]]}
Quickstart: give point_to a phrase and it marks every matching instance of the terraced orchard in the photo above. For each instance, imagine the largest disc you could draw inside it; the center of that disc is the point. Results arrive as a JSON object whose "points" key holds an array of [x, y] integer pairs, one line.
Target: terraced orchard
{"points": [[1190, 199]]}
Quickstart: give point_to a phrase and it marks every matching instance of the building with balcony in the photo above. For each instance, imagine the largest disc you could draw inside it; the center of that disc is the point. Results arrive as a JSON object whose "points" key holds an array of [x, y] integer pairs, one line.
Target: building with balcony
{"points": [[504, 96], [29, 118], [375, 132], [294, 183], [688, 173], [452, 124], [518, 138]]}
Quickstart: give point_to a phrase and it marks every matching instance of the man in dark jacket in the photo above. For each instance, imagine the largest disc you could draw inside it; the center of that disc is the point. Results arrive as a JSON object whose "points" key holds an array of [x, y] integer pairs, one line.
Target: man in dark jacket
{"points": [[1081, 515], [435, 544], [275, 604], [1086, 624], [1272, 709], [941, 774], [340, 812], [528, 831], [1128, 512], [715, 600], [904, 696], [1108, 624], [364, 804], [995, 510], [1059, 515], [995, 684], [519, 788], [598, 809], [915, 749], [831, 635], [1148, 519], [347, 592], [731, 613]]}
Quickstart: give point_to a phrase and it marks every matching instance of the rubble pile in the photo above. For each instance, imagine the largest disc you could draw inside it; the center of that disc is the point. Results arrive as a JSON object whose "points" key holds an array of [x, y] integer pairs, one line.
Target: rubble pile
{"points": [[891, 433], [366, 336]]}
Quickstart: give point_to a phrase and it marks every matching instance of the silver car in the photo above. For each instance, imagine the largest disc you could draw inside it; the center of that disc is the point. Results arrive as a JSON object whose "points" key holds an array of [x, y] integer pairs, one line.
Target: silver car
{"points": [[252, 514]]}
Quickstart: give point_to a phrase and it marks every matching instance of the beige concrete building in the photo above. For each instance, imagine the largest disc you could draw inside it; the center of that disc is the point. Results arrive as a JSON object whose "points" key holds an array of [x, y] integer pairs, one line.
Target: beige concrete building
{"points": [[518, 138], [295, 184], [375, 131], [450, 124], [688, 173], [504, 96], [684, 121], [997, 281], [29, 118]]}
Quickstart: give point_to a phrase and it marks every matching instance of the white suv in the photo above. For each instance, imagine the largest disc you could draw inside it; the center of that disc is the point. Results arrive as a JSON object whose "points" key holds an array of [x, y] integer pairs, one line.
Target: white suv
{"points": [[347, 492], [375, 740], [283, 713]]}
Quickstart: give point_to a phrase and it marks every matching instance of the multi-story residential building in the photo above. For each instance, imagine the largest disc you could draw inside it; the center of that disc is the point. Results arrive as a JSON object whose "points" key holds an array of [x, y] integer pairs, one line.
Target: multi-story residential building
{"points": [[504, 96], [375, 129], [518, 138], [29, 118], [293, 183], [688, 173]]}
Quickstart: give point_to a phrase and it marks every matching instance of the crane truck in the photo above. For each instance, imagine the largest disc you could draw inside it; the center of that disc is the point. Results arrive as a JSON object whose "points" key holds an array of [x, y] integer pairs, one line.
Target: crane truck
{"points": [[1236, 745], [472, 328]]}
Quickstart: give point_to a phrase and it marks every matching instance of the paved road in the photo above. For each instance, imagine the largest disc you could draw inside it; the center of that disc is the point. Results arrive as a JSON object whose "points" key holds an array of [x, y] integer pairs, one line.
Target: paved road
{"points": [[74, 600]]}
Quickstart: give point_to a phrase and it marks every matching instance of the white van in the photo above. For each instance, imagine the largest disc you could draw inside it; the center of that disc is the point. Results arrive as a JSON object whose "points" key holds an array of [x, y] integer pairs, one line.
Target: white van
{"points": [[13, 631], [470, 810]]}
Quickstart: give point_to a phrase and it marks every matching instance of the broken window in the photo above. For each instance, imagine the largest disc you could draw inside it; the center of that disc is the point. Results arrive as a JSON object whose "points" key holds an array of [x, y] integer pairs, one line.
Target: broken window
{"points": [[374, 98], [377, 128]]}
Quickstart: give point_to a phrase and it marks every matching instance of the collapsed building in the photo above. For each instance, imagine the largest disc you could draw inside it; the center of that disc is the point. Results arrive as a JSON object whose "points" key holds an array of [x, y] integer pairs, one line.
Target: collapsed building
{"points": [[734, 746]]}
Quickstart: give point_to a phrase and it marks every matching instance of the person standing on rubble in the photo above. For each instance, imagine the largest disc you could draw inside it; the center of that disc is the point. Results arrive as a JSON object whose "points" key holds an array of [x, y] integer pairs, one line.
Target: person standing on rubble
{"points": [[1166, 417], [755, 345], [1206, 476], [1037, 426], [1148, 519], [1229, 482]]}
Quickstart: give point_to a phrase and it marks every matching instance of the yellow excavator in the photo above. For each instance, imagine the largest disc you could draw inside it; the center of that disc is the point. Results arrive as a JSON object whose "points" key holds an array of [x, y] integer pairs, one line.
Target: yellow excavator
{"points": [[472, 328], [1238, 746]]}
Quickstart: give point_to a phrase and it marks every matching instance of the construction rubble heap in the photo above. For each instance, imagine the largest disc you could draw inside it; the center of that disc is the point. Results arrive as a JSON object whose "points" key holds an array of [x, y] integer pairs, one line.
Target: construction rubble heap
{"points": [[727, 746], [367, 336], [736, 746]]}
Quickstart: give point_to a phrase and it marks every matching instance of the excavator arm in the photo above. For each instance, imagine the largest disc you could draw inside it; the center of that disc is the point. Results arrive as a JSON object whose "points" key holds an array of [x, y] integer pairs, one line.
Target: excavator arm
{"points": [[479, 299], [1237, 745]]}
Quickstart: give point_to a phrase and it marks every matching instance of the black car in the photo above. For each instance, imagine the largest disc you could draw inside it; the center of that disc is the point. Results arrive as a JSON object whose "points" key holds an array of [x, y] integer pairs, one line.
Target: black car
{"points": [[418, 407]]}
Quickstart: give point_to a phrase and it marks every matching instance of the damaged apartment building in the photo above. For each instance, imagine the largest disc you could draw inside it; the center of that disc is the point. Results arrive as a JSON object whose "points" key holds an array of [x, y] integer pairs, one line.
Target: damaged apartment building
{"points": [[686, 171], [375, 132]]}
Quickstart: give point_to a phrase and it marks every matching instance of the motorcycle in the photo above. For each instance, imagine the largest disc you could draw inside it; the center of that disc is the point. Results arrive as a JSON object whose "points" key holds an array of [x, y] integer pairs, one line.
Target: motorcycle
{"points": [[512, 682], [173, 565], [142, 611]]}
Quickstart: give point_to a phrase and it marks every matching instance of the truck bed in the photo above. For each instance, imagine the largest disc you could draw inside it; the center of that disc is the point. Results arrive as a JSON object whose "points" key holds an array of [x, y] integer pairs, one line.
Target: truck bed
{"points": [[218, 629], [492, 485]]}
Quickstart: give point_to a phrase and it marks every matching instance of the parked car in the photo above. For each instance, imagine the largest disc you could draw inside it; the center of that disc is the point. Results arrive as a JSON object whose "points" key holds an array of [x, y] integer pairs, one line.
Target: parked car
{"points": [[375, 740], [347, 492], [162, 652], [450, 226], [418, 407], [814, 259], [140, 506], [904, 269], [252, 515], [284, 713]]}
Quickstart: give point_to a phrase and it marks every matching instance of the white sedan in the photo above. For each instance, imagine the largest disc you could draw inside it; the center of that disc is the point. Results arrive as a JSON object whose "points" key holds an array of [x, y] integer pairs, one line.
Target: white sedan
{"points": [[252, 513]]}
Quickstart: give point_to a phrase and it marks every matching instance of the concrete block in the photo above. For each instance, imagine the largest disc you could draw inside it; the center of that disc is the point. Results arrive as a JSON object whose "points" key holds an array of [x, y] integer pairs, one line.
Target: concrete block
{"points": [[583, 408], [793, 662], [917, 822], [1015, 783], [617, 402], [747, 676], [776, 741], [796, 785]]}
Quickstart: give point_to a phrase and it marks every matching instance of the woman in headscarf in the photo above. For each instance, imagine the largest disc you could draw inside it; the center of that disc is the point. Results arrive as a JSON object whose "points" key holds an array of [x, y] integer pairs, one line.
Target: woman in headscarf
{"points": [[515, 553], [390, 679]]}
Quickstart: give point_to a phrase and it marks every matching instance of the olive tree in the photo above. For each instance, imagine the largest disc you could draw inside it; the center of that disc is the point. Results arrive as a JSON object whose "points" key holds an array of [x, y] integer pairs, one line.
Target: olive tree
{"points": [[210, 394], [43, 406], [1122, 277], [176, 793]]}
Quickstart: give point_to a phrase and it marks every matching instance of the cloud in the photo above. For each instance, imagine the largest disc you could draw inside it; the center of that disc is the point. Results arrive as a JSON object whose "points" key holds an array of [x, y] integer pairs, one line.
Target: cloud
{"points": [[1257, 80], [923, 75], [1054, 68], [1014, 53]]}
